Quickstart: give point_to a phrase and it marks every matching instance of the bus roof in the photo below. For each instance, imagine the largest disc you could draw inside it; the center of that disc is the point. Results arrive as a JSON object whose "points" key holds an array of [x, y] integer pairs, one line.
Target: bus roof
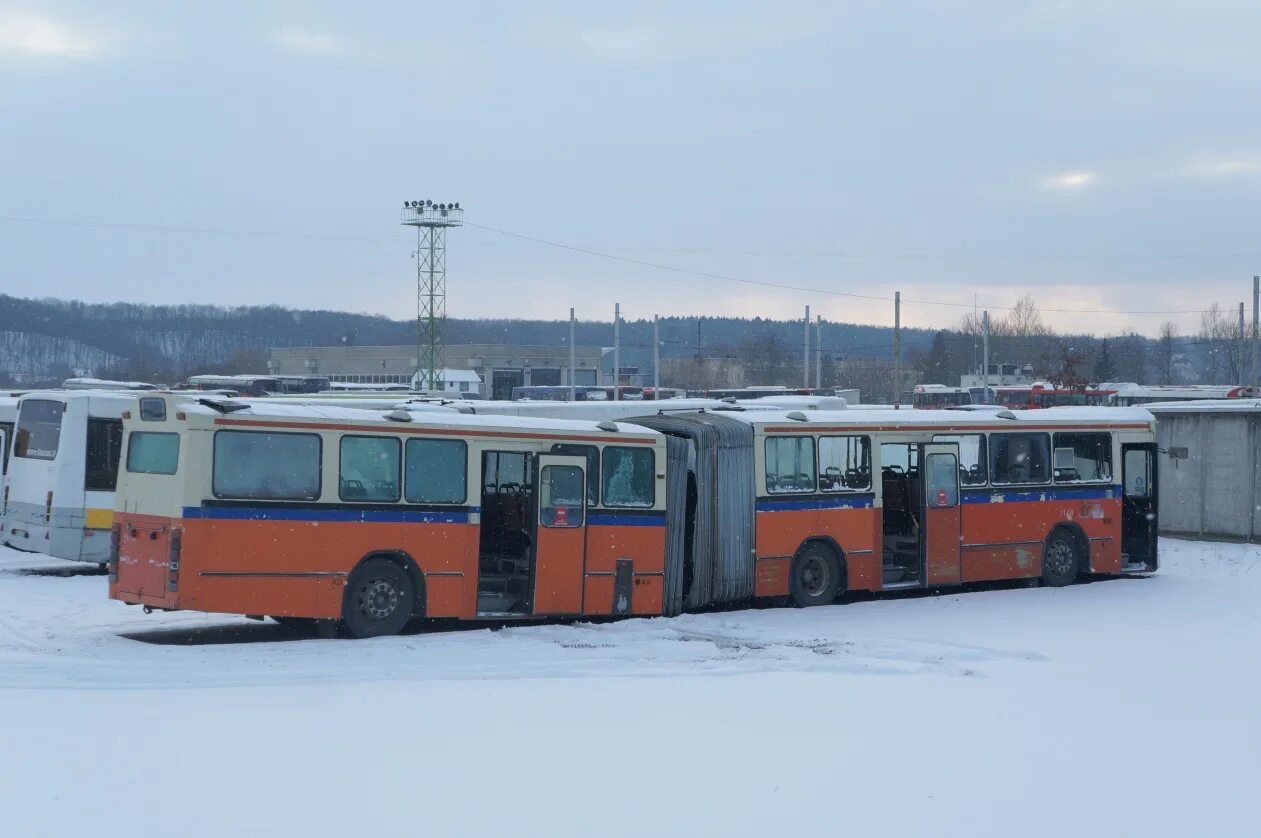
{"points": [[928, 419], [336, 414]]}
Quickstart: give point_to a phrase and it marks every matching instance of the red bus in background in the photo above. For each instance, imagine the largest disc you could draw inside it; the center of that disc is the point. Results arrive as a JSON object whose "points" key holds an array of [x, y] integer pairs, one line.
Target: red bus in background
{"points": [[1044, 395]]}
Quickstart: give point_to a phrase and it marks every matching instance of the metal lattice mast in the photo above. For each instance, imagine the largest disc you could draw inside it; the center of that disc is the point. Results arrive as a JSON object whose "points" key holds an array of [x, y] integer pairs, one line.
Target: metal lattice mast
{"points": [[431, 222]]}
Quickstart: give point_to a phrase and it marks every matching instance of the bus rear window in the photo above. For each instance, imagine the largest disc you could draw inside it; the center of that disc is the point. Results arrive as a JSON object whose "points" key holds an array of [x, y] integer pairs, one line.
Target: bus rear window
{"points": [[39, 430], [153, 453], [259, 465]]}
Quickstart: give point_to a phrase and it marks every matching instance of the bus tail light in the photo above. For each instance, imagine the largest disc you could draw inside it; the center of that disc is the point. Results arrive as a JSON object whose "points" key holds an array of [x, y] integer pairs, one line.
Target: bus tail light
{"points": [[173, 561], [115, 539], [48, 507]]}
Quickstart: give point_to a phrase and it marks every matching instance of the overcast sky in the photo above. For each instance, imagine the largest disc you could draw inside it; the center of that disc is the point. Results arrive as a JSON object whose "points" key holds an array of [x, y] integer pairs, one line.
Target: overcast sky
{"points": [[1105, 155]]}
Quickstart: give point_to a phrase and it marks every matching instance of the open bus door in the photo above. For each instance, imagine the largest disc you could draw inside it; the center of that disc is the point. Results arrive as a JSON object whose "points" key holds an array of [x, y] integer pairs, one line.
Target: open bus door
{"points": [[942, 526], [560, 544], [1138, 506]]}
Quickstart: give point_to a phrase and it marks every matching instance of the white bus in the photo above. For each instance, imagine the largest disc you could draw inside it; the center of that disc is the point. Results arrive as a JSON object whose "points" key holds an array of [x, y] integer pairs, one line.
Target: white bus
{"points": [[63, 468], [1127, 395], [8, 417]]}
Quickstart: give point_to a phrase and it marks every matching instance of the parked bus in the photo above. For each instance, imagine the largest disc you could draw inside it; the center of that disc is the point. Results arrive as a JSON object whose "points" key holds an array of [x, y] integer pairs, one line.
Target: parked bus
{"points": [[559, 393], [1136, 394], [1045, 395], [246, 385], [8, 417], [59, 489], [368, 519], [303, 383], [937, 396]]}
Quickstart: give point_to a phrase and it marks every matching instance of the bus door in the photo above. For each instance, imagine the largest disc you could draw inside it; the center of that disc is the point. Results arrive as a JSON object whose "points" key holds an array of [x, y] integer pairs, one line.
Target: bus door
{"points": [[942, 515], [1138, 506], [560, 544]]}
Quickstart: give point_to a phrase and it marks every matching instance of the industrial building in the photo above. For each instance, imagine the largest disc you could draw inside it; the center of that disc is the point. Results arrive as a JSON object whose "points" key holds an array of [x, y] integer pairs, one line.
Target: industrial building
{"points": [[499, 367]]}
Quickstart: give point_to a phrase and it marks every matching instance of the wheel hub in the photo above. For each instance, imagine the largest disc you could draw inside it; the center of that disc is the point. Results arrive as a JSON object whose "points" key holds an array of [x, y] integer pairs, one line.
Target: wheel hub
{"points": [[815, 576], [1060, 558], [378, 599]]}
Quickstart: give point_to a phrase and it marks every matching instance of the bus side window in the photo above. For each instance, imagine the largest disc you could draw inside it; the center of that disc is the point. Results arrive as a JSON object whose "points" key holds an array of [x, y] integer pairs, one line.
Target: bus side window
{"points": [[790, 465], [844, 464], [1020, 458], [629, 476], [593, 466], [437, 470], [369, 469], [972, 471]]}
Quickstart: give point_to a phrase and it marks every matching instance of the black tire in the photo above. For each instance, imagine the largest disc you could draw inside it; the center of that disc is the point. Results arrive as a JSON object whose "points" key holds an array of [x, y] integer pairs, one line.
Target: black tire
{"points": [[1061, 560], [815, 577], [379, 600]]}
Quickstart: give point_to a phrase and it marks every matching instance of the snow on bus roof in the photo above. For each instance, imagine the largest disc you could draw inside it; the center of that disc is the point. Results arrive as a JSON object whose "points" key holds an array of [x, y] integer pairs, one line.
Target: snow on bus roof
{"points": [[436, 418], [1206, 406], [1000, 419]]}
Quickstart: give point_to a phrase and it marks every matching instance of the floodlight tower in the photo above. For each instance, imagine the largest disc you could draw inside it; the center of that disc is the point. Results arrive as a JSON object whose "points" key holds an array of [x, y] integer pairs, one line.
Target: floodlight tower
{"points": [[431, 222]]}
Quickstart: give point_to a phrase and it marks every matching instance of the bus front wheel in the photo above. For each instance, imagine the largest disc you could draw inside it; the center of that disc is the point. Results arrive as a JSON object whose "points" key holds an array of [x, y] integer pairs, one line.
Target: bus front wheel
{"points": [[379, 600]]}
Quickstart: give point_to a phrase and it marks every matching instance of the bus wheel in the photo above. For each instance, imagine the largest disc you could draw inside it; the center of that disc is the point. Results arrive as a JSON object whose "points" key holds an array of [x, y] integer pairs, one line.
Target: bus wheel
{"points": [[815, 577], [1059, 561], [379, 600]]}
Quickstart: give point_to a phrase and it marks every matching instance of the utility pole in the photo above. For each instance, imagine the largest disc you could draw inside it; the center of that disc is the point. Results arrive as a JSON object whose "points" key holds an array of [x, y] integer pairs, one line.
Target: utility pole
{"points": [[818, 352], [656, 356], [1243, 346], [985, 357], [897, 349], [1256, 302], [805, 354], [573, 355], [617, 351]]}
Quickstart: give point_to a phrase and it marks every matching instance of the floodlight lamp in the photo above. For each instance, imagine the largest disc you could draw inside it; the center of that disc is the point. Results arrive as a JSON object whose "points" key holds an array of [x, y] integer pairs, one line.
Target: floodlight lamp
{"points": [[428, 203]]}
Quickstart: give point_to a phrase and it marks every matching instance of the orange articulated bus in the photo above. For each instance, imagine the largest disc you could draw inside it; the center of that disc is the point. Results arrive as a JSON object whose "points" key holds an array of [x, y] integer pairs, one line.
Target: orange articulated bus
{"points": [[367, 519]]}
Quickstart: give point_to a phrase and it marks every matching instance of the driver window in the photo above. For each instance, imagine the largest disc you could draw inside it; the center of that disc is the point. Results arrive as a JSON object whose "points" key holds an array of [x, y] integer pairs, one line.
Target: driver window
{"points": [[790, 464]]}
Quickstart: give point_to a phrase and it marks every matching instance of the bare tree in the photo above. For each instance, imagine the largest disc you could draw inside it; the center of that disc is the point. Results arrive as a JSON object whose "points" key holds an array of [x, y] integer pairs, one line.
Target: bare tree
{"points": [[1168, 336]]}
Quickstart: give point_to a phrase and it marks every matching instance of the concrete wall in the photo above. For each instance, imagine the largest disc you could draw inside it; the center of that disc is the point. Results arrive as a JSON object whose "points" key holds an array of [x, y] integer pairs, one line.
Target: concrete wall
{"points": [[1213, 491]]}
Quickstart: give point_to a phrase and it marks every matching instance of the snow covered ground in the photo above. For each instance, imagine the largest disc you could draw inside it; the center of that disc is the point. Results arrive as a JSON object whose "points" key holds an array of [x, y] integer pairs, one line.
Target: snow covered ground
{"points": [[1121, 707]]}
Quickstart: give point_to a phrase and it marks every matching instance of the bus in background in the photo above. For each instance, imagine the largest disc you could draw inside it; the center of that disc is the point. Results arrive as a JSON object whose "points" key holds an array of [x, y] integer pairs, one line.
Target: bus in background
{"points": [[247, 385], [105, 384], [366, 520], [59, 489], [303, 383], [663, 393], [8, 417], [938, 396], [559, 393], [1126, 395], [760, 391], [1046, 395]]}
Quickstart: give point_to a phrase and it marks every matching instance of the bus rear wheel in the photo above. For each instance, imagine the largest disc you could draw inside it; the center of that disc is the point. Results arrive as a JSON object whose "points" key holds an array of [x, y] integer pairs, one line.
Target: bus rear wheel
{"points": [[815, 577], [1060, 561], [379, 600]]}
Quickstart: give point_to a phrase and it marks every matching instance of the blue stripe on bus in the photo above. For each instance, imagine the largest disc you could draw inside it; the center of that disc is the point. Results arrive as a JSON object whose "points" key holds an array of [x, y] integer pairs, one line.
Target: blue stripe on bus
{"points": [[277, 513], [1057, 493], [613, 519], [815, 503]]}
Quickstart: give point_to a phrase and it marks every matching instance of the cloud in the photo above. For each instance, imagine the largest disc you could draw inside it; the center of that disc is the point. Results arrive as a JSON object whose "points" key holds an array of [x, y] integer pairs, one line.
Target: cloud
{"points": [[1070, 180], [1207, 166], [304, 42], [31, 35]]}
